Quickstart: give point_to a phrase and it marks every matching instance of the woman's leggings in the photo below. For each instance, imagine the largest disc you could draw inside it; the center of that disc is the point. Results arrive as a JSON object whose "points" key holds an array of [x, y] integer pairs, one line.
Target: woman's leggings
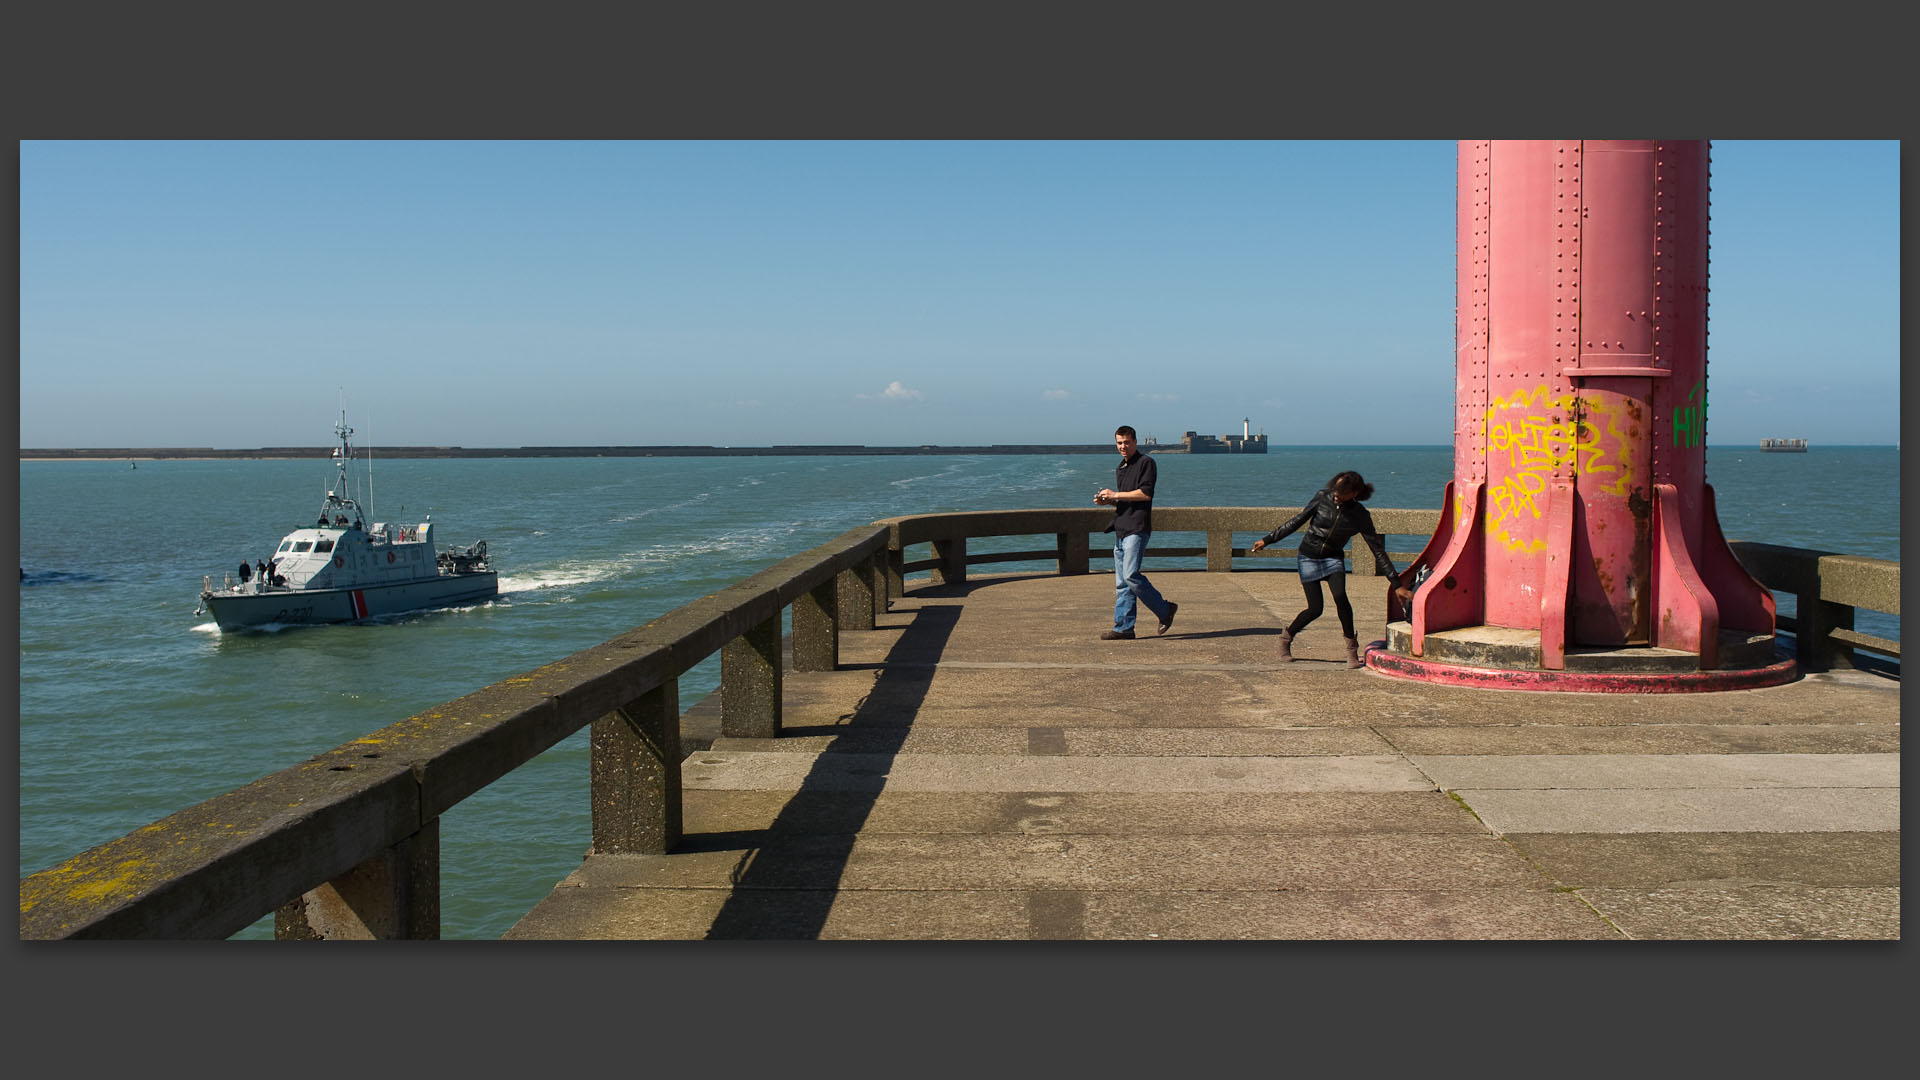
{"points": [[1337, 584]]}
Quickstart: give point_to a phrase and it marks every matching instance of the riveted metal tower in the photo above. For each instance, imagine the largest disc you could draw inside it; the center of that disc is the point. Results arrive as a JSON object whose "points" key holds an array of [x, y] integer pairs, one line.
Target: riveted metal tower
{"points": [[1578, 546]]}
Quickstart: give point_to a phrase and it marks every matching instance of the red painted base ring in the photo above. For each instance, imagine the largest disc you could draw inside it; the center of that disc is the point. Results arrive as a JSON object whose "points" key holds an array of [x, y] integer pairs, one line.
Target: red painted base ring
{"points": [[1594, 682]]}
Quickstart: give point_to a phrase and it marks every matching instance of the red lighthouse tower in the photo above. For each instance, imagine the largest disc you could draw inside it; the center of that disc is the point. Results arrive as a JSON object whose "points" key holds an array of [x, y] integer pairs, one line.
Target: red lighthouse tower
{"points": [[1578, 547]]}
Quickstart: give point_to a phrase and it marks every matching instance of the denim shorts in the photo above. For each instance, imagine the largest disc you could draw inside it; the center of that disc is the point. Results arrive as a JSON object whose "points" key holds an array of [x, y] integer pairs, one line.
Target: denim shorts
{"points": [[1318, 569]]}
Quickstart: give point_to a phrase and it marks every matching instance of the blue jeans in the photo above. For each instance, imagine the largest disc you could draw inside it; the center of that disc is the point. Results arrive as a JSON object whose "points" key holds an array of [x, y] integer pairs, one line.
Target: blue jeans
{"points": [[1130, 585]]}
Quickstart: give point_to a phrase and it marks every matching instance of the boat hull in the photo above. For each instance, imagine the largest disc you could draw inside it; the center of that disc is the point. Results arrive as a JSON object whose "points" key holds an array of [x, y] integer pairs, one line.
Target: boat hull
{"points": [[239, 609]]}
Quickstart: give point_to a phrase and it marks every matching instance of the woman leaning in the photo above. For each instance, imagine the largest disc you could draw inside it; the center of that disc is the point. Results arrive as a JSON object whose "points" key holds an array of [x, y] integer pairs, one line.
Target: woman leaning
{"points": [[1332, 517]]}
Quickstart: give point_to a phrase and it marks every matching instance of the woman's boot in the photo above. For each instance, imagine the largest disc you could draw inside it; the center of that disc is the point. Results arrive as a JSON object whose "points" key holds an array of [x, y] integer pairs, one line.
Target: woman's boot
{"points": [[1353, 653], [1286, 646]]}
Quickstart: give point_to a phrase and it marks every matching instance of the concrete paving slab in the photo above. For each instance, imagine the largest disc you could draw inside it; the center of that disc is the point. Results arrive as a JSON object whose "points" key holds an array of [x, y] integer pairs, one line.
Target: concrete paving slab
{"points": [[1694, 860], [720, 818], [1747, 913], [1009, 772], [781, 915], [1653, 771], [889, 740], [1353, 915], [947, 915], [1057, 741], [1683, 810], [1646, 739], [1029, 863]]}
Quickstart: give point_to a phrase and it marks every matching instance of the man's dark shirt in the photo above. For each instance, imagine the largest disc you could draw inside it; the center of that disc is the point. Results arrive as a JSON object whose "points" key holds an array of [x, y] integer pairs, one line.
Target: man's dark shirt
{"points": [[1133, 515]]}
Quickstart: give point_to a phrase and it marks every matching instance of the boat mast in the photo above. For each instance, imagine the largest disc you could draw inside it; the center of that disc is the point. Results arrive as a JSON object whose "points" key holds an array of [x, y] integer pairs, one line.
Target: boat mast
{"points": [[344, 453]]}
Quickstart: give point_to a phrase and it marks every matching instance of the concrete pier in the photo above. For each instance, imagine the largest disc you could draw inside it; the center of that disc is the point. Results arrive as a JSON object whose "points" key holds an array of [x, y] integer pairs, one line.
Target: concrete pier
{"points": [[979, 766]]}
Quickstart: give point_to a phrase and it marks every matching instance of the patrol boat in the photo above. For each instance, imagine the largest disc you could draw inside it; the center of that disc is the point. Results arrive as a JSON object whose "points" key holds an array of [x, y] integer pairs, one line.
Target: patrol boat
{"points": [[337, 570]]}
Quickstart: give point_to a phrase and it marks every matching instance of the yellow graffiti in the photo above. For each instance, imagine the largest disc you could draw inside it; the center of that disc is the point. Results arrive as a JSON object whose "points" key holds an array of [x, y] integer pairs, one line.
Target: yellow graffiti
{"points": [[1540, 432]]}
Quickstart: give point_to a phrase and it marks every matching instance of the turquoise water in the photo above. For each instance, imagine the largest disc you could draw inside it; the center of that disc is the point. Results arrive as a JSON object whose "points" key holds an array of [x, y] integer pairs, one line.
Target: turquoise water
{"points": [[131, 707]]}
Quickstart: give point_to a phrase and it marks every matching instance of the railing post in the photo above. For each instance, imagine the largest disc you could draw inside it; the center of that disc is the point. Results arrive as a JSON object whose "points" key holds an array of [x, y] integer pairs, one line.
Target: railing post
{"points": [[952, 553], [1072, 553], [634, 773], [391, 897], [855, 587], [896, 577], [1219, 550], [750, 683], [816, 635], [875, 569], [1814, 621]]}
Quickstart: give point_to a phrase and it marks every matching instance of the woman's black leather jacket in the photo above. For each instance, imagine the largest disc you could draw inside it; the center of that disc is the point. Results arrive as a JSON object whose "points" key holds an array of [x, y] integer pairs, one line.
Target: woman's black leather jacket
{"points": [[1329, 526]]}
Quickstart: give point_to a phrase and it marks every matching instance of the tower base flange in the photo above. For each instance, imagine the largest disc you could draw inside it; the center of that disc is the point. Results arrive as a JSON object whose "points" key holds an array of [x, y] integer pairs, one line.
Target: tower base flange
{"points": [[1504, 658]]}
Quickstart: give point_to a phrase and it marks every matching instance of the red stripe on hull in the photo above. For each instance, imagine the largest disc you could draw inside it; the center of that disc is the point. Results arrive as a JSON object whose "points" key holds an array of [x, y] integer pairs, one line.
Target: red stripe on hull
{"points": [[359, 604]]}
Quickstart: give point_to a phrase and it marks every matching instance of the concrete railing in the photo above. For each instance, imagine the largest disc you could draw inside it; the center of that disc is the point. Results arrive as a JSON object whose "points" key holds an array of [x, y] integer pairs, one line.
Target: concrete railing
{"points": [[1827, 588], [1072, 529], [346, 844]]}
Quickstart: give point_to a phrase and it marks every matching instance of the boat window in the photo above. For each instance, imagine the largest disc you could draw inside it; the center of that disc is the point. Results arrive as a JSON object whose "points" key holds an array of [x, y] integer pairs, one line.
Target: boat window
{"points": [[302, 546], [324, 545], [285, 544]]}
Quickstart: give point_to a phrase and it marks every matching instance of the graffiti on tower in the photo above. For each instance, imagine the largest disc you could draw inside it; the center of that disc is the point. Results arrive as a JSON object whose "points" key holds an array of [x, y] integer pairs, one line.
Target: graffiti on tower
{"points": [[1537, 434]]}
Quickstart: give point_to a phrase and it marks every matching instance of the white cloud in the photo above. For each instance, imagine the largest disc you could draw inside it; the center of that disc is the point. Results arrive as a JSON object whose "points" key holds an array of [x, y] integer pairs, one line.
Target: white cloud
{"points": [[894, 392], [1158, 398], [1055, 395]]}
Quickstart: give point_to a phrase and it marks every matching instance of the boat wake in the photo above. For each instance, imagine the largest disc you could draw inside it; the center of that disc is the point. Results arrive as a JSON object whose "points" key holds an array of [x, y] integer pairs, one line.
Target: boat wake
{"points": [[56, 577], [943, 474]]}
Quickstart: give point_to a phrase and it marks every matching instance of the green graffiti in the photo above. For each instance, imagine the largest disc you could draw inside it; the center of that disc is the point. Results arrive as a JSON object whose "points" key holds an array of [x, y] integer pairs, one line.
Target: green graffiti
{"points": [[1690, 421]]}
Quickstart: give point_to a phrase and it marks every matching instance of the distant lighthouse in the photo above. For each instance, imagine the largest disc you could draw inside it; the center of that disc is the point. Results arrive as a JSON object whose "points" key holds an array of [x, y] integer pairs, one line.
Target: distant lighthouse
{"points": [[1246, 428]]}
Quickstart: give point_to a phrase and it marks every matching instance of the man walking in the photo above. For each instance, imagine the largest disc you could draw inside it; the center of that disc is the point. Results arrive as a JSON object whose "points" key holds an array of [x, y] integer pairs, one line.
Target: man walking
{"points": [[1131, 497]]}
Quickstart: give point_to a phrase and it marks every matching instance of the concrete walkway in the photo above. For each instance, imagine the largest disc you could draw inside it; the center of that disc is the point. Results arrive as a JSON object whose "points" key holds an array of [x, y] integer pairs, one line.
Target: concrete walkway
{"points": [[981, 767]]}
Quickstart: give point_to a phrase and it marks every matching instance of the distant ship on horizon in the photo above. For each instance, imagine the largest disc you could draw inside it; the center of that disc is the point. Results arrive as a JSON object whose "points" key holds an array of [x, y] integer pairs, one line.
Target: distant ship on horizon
{"points": [[1784, 446]]}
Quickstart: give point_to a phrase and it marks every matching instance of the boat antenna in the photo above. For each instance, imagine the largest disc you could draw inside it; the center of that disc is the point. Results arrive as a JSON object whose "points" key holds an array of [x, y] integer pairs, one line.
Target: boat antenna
{"points": [[369, 463]]}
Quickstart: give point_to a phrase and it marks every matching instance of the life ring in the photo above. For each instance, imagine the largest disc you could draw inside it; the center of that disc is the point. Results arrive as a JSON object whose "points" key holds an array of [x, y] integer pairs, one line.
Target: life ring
{"points": [[389, 556], [339, 561]]}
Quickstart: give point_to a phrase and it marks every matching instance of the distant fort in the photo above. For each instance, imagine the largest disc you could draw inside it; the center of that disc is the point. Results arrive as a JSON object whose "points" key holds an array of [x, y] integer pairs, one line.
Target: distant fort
{"points": [[1190, 443]]}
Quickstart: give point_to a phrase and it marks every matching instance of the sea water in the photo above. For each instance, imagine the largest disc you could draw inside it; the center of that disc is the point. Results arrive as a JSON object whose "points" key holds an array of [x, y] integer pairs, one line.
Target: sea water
{"points": [[133, 707]]}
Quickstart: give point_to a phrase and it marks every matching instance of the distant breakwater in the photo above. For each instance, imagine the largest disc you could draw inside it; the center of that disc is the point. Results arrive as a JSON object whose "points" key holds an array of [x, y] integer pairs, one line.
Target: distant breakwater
{"points": [[158, 453]]}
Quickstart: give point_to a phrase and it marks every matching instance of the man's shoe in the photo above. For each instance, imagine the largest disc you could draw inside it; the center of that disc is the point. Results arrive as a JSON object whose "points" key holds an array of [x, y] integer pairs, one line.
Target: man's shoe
{"points": [[1117, 635], [1167, 623]]}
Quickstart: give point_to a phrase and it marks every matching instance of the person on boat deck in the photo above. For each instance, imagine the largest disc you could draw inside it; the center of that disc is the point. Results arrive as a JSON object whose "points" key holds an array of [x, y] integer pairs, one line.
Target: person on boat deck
{"points": [[261, 567], [246, 571], [323, 517]]}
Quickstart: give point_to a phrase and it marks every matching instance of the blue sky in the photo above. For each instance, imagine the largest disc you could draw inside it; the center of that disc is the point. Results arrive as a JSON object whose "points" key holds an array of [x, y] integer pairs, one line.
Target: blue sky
{"points": [[546, 293]]}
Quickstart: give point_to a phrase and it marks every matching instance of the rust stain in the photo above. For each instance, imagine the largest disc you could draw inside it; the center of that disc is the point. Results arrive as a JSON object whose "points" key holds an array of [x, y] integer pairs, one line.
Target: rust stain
{"points": [[1640, 506]]}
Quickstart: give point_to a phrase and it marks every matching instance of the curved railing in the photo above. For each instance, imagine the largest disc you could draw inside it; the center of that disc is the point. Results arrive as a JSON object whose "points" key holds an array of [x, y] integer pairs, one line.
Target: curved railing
{"points": [[1827, 587], [346, 844]]}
